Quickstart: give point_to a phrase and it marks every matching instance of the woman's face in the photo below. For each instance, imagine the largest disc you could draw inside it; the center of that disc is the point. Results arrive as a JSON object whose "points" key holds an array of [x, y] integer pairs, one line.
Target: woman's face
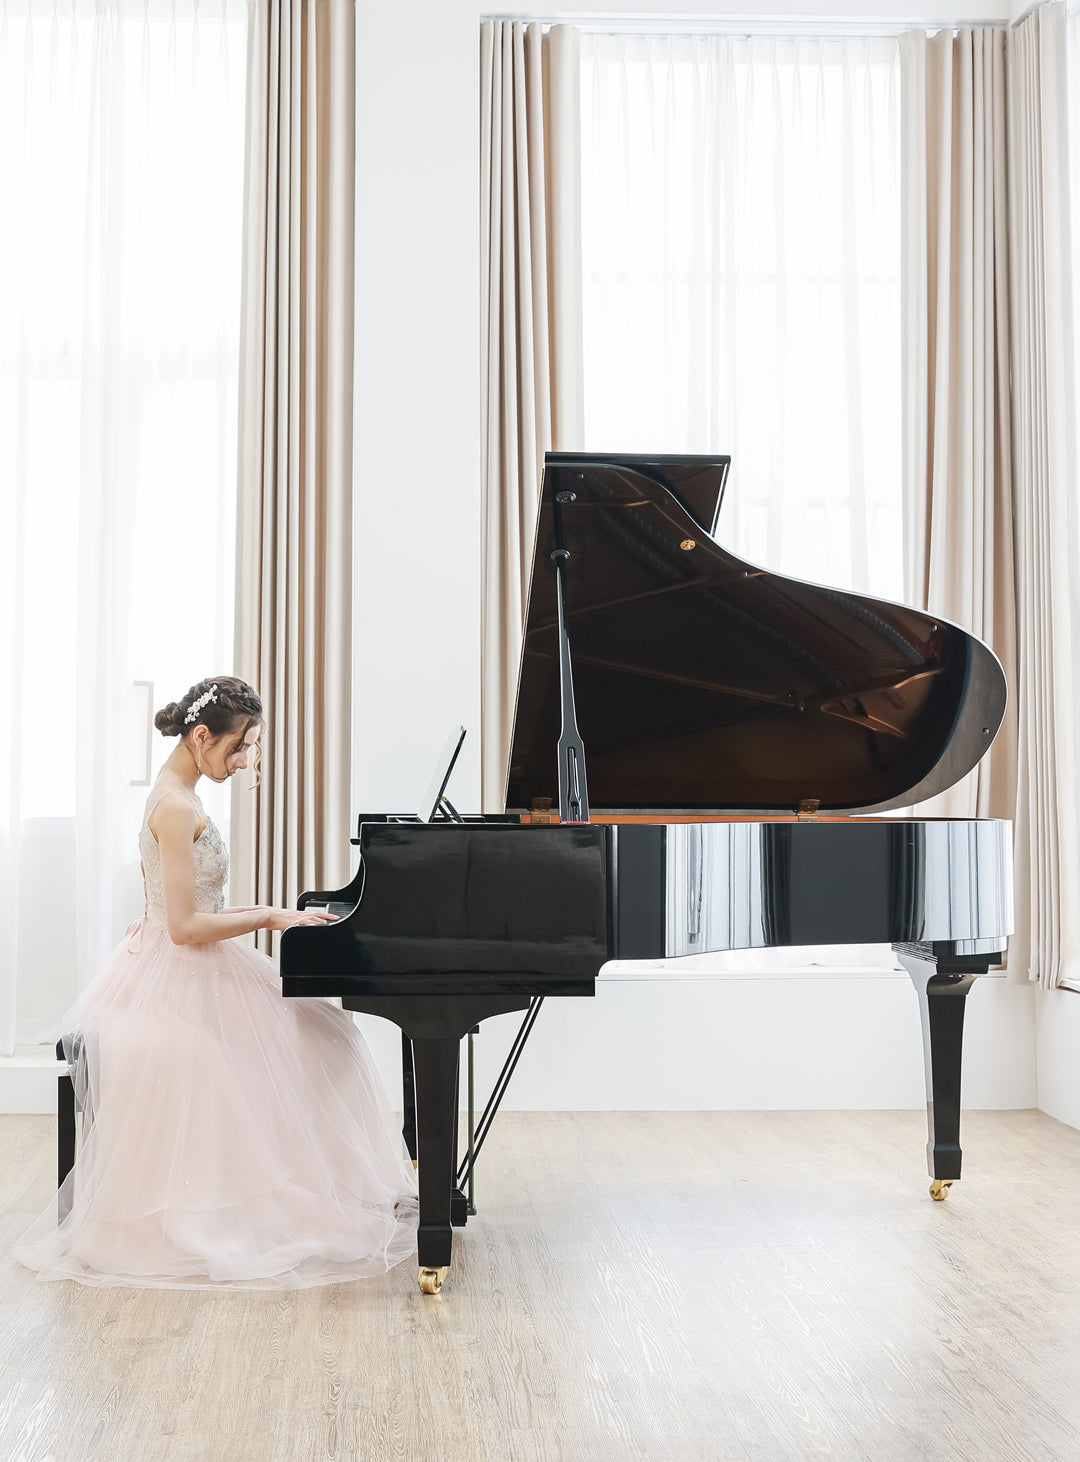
{"points": [[228, 753]]}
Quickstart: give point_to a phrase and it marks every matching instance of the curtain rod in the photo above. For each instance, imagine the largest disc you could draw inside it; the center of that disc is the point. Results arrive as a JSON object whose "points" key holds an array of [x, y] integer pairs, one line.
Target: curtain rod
{"points": [[596, 23]]}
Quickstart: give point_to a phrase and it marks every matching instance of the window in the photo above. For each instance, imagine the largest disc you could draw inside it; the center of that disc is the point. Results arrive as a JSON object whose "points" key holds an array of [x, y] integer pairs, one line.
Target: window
{"points": [[741, 262]]}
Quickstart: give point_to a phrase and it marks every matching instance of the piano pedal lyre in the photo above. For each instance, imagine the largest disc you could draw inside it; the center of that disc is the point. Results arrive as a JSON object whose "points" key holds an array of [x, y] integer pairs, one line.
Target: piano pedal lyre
{"points": [[431, 1280], [939, 1189]]}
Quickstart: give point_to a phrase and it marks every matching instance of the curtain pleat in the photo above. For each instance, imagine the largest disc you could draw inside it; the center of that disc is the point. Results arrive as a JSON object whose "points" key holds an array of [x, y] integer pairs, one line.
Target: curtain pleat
{"points": [[958, 489], [1042, 130], [531, 384], [293, 611]]}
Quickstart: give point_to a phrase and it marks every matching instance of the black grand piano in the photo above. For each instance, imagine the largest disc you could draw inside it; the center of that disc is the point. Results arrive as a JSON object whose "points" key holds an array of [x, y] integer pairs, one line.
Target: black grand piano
{"points": [[713, 736]]}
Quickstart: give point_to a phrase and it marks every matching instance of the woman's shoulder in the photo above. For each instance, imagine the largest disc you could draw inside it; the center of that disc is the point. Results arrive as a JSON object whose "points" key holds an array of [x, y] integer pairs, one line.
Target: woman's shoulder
{"points": [[170, 806]]}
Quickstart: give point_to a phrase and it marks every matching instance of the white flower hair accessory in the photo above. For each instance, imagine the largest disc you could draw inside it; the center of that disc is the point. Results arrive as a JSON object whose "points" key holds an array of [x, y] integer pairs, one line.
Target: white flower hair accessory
{"points": [[196, 706]]}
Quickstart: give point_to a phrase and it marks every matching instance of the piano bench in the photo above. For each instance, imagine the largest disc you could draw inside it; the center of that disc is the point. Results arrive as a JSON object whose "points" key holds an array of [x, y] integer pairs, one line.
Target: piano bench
{"points": [[66, 1106]]}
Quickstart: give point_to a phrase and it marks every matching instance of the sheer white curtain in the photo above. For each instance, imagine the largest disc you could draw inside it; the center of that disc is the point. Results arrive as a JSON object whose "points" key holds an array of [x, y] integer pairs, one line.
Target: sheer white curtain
{"points": [[741, 293], [740, 223], [122, 171]]}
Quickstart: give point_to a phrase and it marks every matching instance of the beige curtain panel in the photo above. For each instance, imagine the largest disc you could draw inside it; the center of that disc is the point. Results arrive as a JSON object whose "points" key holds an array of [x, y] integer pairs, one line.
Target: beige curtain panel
{"points": [[1045, 401], [293, 597], [958, 488], [532, 394]]}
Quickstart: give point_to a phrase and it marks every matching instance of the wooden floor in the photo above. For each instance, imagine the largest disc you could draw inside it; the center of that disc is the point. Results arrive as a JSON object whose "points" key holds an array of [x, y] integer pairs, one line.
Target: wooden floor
{"points": [[670, 1286]]}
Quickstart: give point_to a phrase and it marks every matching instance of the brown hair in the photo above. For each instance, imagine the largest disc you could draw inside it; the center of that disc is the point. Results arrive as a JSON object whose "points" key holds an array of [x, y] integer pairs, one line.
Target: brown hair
{"points": [[232, 701]]}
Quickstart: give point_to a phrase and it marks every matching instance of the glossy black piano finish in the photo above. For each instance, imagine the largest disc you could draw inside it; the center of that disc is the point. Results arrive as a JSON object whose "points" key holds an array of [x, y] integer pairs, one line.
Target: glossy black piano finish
{"points": [[451, 908], [705, 687], [507, 908], [704, 683], [751, 883]]}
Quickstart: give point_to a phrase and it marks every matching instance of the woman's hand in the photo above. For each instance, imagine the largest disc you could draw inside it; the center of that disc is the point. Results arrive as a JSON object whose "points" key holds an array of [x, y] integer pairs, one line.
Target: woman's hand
{"points": [[288, 918]]}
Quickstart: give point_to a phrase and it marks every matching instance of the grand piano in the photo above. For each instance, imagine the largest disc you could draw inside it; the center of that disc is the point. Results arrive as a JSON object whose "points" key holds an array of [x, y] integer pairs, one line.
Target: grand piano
{"points": [[713, 737]]}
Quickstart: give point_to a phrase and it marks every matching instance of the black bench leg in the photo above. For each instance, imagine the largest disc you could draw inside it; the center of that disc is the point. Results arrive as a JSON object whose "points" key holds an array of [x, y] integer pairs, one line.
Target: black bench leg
{"points": [[65, 1130]]}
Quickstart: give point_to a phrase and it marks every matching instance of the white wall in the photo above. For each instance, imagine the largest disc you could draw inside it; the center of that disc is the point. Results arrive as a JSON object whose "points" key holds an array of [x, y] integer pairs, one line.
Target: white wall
{"points": [[417, 457], [1057, 1020], [811, 1040], [830, 1040]]}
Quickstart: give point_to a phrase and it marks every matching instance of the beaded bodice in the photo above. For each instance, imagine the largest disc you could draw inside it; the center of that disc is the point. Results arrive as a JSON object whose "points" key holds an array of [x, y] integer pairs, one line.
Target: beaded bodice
{"points": [[211, 859]]}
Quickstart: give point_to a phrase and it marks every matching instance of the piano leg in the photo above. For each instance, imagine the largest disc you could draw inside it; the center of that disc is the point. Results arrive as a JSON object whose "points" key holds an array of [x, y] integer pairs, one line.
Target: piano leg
{"points": [[435, 1063], [942, 985], [435, 1025]]}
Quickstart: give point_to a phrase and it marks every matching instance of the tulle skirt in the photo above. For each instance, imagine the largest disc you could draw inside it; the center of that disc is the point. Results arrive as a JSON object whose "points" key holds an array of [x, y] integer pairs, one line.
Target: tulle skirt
{"points": [[230, 1137]]}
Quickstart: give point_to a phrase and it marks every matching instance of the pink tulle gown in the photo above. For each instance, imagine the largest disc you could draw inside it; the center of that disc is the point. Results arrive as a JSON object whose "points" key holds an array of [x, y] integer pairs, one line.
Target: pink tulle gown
{"points": [[231, 1138]]}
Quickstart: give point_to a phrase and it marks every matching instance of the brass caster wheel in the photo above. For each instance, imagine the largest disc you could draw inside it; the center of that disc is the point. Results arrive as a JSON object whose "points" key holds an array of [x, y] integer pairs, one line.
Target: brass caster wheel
{"points": [[431, 1279], [939, 1189]]}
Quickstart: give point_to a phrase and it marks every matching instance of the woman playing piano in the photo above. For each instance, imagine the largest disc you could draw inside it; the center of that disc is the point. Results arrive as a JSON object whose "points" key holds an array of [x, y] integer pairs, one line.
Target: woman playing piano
{"points": [[230, 1138]]}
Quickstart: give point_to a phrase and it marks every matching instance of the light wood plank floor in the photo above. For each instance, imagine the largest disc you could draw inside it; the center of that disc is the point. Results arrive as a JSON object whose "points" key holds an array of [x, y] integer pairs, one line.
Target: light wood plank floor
{"points": [[746, 1286]]}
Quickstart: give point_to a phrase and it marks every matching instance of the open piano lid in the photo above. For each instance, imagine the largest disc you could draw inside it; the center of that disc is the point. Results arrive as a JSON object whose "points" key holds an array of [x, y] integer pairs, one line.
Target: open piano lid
{"points": [[705, 684]]}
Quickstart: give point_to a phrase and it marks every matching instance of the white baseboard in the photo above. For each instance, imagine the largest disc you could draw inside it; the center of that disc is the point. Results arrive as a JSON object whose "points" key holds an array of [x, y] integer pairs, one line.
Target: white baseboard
{"points": [[1058, 1025], [28, 1080]]}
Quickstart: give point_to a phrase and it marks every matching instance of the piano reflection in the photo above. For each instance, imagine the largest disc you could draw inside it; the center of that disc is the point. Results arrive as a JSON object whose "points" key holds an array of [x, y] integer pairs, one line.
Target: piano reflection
{"points": [[714, 736]]}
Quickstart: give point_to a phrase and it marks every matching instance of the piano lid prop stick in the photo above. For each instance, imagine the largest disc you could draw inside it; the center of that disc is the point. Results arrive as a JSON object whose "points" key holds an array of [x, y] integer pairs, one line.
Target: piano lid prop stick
{"points": [[573, 793]]}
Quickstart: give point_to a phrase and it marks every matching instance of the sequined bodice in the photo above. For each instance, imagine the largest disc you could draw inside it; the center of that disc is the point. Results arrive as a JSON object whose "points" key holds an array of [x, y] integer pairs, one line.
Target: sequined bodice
{"points": [[211, 859]]}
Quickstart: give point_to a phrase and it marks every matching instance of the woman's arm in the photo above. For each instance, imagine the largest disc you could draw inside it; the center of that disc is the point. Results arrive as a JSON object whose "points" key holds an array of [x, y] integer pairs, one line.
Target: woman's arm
{"points": [[174, 823]]}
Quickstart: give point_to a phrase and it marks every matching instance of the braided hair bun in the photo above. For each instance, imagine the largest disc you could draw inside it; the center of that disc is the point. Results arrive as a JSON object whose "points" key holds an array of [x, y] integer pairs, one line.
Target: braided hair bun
{"points": [[219, 703], [170, 719]]}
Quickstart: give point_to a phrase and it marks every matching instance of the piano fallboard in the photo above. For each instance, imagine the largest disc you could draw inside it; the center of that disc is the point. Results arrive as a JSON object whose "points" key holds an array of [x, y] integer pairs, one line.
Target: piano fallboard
{"points": [[460, 908]]}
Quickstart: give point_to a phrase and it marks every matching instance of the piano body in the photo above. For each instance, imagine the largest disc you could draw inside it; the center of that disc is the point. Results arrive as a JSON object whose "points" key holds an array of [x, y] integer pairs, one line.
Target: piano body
{"points": [[714, 736]]}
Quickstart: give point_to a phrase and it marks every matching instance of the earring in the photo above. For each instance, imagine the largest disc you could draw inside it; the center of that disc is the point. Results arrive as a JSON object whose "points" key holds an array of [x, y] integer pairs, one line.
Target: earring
{"points": [[198, 759]]}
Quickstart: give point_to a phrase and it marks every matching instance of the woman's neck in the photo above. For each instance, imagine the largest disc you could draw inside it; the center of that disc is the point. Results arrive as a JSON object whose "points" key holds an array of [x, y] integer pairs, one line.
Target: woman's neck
{"points": [[181, 765]]}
